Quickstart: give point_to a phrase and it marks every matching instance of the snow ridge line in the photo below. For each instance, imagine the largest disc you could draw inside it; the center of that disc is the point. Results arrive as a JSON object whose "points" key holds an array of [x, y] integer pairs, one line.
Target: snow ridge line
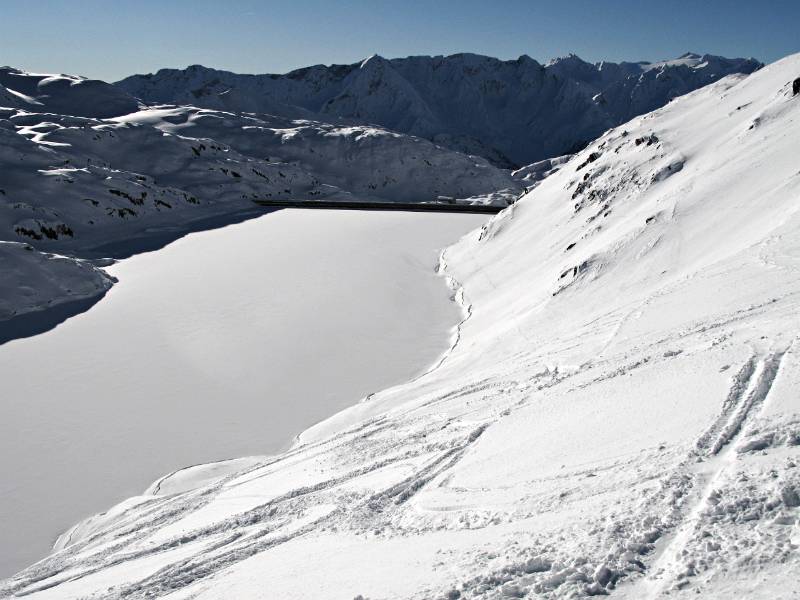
{"points": [[466, 310], [460, 299], [156, 487]]}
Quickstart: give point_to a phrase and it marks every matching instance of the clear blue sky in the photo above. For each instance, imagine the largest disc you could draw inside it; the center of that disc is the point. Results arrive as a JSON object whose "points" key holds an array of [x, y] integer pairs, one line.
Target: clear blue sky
{"points": [[110, 39]]}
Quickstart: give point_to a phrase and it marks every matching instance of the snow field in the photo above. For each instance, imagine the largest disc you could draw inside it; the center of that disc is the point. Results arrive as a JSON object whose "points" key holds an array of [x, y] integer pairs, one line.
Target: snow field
{"points": [[617, 415]]}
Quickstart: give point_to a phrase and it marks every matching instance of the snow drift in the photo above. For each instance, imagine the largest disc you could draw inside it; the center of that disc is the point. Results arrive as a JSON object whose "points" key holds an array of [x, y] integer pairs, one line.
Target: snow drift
{"points": [[618, 414]]}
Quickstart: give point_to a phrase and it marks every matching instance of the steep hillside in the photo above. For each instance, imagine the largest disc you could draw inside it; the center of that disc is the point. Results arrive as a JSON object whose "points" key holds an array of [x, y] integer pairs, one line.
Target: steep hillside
{"points": [[619, 412], [511, 112]]}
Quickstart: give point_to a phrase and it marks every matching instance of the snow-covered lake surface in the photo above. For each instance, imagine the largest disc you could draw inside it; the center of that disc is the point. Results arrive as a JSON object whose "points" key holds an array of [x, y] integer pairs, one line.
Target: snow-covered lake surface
{"points": [[223, 344]]}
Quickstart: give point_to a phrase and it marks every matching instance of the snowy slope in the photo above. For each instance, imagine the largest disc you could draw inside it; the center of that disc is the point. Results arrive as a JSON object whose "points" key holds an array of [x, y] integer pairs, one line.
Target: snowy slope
{"points": [[619, 413], [64, 94], [366, 162], [511, 112], [35, 280], [81, 166]]}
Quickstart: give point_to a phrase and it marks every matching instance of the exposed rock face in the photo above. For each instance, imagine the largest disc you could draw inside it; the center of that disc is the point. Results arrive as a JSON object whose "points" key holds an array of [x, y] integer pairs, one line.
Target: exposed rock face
{"points": [[796, 87], [510, 112]]}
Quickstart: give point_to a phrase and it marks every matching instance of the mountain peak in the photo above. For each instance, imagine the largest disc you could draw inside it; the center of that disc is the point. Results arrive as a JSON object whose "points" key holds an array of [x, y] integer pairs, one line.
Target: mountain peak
{"points": [[570, 58], [373, 60], [524, 59]]}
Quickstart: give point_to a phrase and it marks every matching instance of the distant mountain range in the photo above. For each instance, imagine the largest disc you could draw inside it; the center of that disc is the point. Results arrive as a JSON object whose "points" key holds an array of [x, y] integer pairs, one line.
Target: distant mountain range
{"points": [[511, 112]]}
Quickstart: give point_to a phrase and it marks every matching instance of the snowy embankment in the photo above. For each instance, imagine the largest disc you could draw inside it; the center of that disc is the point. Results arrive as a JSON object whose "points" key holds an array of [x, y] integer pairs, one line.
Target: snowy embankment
{"points": [[84, 165], [619, 415], [203, 350], [34, 281]]}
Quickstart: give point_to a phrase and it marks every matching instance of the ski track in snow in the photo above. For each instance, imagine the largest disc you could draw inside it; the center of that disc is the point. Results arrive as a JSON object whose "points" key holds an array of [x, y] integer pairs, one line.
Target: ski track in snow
{"points": [[749, 391]]}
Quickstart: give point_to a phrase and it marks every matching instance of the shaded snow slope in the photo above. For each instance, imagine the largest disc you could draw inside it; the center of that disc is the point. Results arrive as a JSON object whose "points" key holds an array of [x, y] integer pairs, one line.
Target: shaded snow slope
{"points": [[64, 94], [74, 184], [34, 280], [367, 162], [619, 413], [511, 112]]}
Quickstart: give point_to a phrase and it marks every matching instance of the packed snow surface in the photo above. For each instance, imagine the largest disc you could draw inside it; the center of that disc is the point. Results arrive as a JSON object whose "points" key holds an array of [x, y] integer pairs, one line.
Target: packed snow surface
{"points": [[618, 415], [511, 112], [224, 343]]}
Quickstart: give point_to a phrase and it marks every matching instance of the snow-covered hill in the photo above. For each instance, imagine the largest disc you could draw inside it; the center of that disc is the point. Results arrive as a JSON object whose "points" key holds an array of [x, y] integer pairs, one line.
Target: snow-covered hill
{"points": [[63, 94], [81, 167], [33, 280], [511, 112], [619, 413]]}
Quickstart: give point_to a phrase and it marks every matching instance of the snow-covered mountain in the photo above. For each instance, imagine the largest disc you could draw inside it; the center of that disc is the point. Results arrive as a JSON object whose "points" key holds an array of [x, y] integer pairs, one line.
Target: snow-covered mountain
{"points": [[82, 165], [618, 414], [511, 112], [63, 94]]}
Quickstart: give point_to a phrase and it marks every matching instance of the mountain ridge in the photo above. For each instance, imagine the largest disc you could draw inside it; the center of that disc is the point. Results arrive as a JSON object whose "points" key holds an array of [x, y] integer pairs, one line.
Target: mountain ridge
{"points": [[512, 112]]}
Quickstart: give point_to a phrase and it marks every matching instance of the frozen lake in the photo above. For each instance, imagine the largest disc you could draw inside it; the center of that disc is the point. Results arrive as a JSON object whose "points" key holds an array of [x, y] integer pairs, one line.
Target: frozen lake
{"points": [[225, 343]]}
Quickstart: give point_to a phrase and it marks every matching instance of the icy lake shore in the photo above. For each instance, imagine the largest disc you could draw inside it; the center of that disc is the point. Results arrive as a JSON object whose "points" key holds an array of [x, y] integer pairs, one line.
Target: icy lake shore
{"points": [[144, 383]]}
